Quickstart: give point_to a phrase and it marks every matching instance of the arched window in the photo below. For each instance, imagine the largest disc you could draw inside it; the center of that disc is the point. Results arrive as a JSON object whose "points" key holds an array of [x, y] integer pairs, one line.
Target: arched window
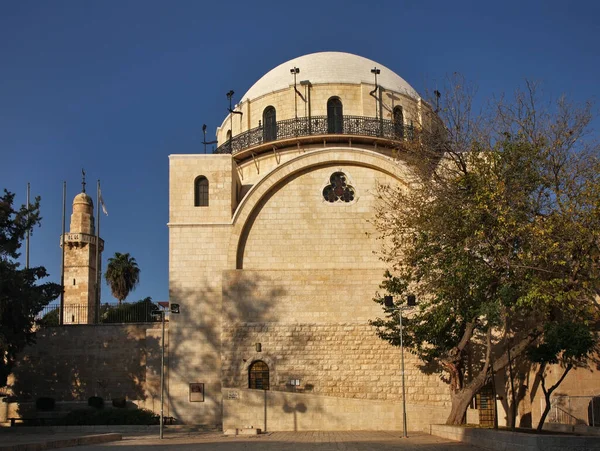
{"points": [[228, 135], [270, 124], [335, 118], [398, 122], [201, 191], [258, 375]]}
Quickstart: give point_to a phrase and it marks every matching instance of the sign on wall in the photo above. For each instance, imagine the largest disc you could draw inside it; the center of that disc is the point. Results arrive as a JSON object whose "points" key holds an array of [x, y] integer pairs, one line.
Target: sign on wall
{"points": [[196, 392]]}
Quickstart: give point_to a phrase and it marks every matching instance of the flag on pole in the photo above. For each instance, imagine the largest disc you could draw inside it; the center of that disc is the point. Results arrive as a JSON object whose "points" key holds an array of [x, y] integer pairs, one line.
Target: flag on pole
{"points": [[102, 202]]}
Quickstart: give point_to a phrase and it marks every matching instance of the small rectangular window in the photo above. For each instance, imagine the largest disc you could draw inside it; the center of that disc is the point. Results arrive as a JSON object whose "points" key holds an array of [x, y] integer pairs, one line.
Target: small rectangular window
{"points": [[73, 281]]}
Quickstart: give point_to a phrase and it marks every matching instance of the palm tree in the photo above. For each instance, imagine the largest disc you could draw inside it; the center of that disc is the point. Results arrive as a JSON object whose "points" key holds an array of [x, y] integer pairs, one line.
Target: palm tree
{"points": [[122, 275]]}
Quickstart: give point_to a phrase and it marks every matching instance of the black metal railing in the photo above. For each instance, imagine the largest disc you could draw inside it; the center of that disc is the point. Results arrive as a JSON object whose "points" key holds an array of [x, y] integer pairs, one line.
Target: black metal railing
{"points": [[138, 312], [318, 125]]}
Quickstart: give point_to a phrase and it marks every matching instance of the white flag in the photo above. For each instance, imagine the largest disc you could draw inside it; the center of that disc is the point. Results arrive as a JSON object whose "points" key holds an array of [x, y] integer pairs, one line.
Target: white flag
{"points": [[102, 202]]}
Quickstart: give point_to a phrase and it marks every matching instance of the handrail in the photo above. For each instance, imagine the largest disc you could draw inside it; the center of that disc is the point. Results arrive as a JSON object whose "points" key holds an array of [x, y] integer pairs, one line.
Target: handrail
{"points": [[317, 125]]}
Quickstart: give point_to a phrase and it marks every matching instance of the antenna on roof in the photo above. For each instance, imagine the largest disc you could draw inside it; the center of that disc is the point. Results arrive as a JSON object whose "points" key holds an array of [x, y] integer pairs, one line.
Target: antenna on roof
{"points": [[204, 141]]}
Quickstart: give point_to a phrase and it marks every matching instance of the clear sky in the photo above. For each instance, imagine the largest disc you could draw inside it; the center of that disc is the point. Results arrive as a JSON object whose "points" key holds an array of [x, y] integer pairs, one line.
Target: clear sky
{"points": [[115, 86]]}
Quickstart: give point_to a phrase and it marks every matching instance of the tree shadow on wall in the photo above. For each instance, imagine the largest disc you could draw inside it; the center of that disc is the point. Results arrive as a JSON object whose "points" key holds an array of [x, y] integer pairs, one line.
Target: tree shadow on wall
{"points": [[72, 363], [195, 338]]}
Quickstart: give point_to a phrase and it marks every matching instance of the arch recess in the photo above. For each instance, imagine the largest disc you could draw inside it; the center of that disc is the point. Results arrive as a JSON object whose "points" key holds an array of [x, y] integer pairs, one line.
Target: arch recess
{"points": [[277, 177]]}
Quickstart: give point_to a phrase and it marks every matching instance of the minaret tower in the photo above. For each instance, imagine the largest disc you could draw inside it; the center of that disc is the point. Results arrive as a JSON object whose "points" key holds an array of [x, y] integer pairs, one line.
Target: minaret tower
{"points": [[81, 297]]}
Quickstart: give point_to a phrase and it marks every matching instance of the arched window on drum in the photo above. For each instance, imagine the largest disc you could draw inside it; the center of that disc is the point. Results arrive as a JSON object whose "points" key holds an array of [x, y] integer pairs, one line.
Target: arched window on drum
{"points": [[269, 124], [335, 116], [398, 122]]}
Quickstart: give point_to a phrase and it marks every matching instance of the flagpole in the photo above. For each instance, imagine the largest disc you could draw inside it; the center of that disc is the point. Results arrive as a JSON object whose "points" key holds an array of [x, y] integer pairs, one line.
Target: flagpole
{"points": [[97, 319], [62, 266], [28, 233]]}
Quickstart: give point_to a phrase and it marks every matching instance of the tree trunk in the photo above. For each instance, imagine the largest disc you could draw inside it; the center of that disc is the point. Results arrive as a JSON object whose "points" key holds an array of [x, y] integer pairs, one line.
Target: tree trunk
{"points": [[460, 403], [548, 393], [544, 413]]}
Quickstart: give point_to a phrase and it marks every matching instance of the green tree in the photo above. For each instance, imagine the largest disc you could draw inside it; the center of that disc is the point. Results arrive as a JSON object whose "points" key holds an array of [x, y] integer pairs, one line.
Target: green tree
{"points": [[564, 343], [497, 234], [122, 275], [21, 296]]}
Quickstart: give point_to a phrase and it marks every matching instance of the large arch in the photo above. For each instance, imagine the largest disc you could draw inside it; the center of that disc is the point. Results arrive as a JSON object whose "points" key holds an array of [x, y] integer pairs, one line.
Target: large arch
{"points": [[242, 218]]}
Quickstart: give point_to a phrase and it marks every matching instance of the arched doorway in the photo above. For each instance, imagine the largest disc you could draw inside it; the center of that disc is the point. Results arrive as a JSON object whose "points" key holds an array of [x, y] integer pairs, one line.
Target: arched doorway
{"points": [[258, 375]]}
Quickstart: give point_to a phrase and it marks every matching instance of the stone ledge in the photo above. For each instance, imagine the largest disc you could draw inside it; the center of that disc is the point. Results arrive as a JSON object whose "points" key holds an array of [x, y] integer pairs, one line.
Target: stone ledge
{"points": [[495, 440], [63, 443]]}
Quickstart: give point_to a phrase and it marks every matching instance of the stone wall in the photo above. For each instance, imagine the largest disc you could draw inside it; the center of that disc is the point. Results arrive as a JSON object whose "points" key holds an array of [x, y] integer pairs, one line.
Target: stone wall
{"points": [[72, 363], [278, 411], [313, 327]]}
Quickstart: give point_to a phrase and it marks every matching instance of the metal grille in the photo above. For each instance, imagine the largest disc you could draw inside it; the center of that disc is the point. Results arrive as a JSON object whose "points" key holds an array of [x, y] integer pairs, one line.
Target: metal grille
{"points": [[318, 125], [258, 375], [485, 404]]}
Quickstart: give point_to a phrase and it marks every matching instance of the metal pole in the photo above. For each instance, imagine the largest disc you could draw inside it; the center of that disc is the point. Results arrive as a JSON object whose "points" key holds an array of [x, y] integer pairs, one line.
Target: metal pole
{"points": [[62, 265], [404, 435], [97, 293], [28, 232], [162, 375]]}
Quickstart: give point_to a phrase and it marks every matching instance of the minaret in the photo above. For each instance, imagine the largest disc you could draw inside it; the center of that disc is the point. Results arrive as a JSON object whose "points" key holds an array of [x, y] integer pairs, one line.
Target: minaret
{"points": [[80, 298]]}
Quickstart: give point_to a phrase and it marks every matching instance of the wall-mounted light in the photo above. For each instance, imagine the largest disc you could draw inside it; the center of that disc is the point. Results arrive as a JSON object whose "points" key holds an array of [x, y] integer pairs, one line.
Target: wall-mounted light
{"points": [[375, 72], [295, 71], [230, 109]]}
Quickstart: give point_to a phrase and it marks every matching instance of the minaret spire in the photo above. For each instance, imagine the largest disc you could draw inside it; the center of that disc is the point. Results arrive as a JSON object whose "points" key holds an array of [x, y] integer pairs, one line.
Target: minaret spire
{"points": [[82, 180]]}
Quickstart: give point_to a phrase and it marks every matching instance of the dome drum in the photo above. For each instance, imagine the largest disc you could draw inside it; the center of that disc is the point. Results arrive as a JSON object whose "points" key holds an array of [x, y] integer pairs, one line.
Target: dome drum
{"points": [[317, 126]]}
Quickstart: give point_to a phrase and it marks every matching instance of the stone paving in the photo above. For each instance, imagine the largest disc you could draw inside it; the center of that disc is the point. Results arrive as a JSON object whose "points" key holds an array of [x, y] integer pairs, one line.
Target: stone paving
{"points": [[292, 441]]}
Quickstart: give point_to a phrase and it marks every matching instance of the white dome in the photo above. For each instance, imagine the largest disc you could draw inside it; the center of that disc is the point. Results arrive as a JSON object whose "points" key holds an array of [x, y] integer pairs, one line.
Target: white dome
{"points": [[329, 67]]}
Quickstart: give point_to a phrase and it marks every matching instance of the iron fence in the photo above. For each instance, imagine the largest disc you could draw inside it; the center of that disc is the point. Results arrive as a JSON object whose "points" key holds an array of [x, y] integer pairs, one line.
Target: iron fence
{"points": [[318, 125], [138, 312], [573, 410]]}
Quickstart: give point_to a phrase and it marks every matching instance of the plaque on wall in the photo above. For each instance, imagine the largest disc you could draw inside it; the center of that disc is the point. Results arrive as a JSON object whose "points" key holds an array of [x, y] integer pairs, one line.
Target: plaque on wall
{"points": [[196, 392]]}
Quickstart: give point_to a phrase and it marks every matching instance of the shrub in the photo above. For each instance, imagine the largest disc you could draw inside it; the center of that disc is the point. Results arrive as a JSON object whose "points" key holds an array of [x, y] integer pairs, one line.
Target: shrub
{"points": [[96, 402], [120, 403], [45, 404], [50, 319], [140, 311], [109, 417]]}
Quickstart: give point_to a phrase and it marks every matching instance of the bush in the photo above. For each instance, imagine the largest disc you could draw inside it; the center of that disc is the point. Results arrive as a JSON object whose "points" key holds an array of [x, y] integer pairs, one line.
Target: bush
{"points": [[50, 319], [96, 402], [45, 404], [120, 403], [88, 417], [137, 312]]}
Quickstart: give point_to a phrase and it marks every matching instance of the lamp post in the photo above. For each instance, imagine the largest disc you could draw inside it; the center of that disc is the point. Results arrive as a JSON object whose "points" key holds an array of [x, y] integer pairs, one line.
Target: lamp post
{"points": [[389, 303], [161, 313]]}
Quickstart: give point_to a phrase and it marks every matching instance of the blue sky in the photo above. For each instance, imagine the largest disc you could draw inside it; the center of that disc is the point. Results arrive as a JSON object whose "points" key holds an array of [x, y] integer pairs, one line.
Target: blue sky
{"points": [[115, 86]]}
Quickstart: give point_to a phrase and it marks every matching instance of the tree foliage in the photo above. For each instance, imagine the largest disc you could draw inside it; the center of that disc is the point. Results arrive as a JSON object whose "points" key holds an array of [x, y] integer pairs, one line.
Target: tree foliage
{"points": [[122, 275], [566, 343], [21, 296], [497, 234]]}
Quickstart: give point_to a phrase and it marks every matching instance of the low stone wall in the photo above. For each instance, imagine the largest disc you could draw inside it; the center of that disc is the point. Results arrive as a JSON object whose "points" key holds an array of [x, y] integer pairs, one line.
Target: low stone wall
{"points": [[282, 411], [582, 429], [71, 363], [505, 440]]}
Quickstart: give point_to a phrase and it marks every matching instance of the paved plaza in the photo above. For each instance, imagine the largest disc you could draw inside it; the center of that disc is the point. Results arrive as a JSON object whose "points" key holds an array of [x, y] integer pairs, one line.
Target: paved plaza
{"points": [[292, 441]]}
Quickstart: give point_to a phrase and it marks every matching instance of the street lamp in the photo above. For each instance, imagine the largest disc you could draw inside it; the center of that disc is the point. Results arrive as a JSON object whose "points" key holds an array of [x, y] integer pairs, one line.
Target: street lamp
{"points": [[161, 313], [411, 301]]}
